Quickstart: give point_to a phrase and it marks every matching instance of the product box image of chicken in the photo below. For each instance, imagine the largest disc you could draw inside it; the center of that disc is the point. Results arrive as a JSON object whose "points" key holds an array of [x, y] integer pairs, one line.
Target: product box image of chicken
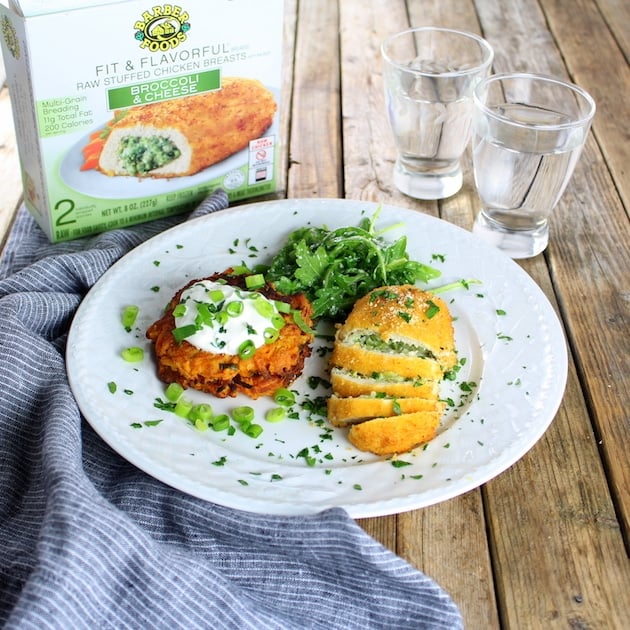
{"points": [[132, 110]]}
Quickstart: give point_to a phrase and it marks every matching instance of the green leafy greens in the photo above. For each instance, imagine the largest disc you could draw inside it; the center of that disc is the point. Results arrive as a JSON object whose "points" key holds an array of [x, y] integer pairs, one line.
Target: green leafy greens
{"points": [[334, 268]]}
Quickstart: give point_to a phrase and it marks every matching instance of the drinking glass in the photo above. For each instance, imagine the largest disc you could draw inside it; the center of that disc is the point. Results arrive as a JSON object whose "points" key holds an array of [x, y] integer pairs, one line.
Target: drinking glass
{"points": [[429, 74], [528, 133]]}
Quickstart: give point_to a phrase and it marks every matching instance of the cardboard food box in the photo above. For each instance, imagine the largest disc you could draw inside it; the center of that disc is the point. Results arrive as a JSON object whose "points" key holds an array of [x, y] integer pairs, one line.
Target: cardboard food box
{"points": [[131, 110]]}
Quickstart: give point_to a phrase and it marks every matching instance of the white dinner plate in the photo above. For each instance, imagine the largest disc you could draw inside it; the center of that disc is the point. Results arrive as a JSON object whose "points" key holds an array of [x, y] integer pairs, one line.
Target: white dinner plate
{"points": [[508, 338]]}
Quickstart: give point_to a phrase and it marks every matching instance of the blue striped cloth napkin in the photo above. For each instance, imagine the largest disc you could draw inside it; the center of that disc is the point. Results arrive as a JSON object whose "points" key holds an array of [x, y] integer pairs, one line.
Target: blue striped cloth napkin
{"points": [[89, 541]]}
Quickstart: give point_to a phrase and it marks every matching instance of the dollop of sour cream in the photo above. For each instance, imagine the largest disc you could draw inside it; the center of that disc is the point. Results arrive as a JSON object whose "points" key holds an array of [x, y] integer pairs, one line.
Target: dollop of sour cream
{"points": [[225, 334]]}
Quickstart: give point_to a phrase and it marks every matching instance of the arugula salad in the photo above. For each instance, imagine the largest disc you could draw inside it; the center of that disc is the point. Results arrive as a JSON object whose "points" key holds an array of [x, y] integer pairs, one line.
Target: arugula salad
{"points": [[334, 268]]}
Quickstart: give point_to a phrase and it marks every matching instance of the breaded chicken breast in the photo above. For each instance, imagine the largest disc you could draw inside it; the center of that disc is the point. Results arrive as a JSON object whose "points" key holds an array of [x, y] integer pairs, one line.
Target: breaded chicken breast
{"points": [[183, 136], [389, 358], [274, 364]]}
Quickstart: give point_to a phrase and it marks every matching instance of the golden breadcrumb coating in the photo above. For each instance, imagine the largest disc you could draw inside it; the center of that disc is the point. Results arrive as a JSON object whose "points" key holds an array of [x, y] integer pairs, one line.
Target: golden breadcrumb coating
{"points": [[388, 361], [206, 128], [395, 434]]}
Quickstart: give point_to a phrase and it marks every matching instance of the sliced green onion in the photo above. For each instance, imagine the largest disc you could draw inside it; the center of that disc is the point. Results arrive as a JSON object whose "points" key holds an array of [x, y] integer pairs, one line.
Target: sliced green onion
{"points": [[284, 397], [128, 317], [283, 307], [247, 349], [222, 318], [216, 295], [234, 309], [179, 310], [183, 407], [239, 270], [173, 392], [264, 308], [301, 324], [201, 411], [278, 321], [204, 313], [275, 415], [253, 430], [184, 331], [220, 422], [255, 281], [201, 424], [244, 413], [133, 354], [270, 335]]}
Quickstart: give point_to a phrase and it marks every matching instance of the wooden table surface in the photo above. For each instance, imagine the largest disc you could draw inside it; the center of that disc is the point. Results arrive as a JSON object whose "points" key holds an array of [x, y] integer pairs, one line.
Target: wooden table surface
{"points": [[544, 544]]}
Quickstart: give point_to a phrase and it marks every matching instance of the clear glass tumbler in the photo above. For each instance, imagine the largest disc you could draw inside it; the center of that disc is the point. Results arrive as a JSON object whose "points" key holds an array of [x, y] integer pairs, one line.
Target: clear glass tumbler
{"points": [[528, 133], [429, 74]]}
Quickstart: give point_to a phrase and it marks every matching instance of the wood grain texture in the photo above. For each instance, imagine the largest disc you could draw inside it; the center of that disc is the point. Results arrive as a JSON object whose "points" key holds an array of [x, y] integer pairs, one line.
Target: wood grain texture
{"points": [[617, 16], [369, 152], [595, 62], [585, 269], [442, 541], [545, 543], [590, 269], [286, 91], [315, 147]]}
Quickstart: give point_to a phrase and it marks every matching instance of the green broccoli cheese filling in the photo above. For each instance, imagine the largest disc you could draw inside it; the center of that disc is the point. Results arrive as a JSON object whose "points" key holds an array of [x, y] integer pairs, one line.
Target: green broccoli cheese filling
{"points": [[140, 155], [386, 377], [374, 342]]}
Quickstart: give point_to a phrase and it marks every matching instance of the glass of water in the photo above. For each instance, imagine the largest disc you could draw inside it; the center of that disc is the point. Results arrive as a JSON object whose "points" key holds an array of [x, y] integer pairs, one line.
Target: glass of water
{"points": [[429, 74], [528, 133]]}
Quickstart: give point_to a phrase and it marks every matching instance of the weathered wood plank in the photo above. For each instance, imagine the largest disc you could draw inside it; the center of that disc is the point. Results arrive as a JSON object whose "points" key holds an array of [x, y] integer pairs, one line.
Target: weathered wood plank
{"points": [[315, 145], [598, 222], [595, 61], [361, 29], [563, 566], [617, 16], [592, 276], [286, 92], [557, 551], [593, 284], [447, 543], [369, 152]]}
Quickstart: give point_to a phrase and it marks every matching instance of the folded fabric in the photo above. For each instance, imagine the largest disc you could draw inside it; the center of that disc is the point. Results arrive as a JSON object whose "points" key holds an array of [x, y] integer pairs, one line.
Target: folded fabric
{"points": [[89, 541]]}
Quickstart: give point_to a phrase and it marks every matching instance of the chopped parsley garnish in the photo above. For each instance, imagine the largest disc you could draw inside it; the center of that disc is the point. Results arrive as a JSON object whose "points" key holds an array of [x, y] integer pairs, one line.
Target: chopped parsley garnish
{"points": [[399, 463], [432, 310], [146, 423]]}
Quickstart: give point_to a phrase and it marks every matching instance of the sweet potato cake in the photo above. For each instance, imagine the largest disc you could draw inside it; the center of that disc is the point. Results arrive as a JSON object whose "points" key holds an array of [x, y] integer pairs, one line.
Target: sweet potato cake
{"points": [[235, 340], [389, 358], [183, 136]]}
